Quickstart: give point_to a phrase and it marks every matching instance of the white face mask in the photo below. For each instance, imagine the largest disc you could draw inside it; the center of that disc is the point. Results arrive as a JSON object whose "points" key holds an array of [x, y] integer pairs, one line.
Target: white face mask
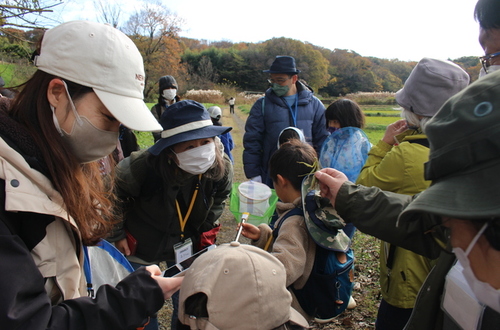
{"points": [[484, 292], [197, 160], [491, 68], [169, 94], [87, 142]]}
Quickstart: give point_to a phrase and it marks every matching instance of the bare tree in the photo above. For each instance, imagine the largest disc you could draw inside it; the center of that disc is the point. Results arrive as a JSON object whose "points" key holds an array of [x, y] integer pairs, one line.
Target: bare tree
{"points": [[109, 12], [29, 14], [155, 30]]}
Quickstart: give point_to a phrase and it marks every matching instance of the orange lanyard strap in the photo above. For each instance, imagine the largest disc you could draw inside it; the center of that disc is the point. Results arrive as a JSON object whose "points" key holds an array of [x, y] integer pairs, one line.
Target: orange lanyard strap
{"points": [[183, 220]]}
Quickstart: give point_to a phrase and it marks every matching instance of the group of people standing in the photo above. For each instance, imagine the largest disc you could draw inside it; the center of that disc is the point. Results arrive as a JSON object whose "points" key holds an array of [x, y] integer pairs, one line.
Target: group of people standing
{"points": [[428, 190]]}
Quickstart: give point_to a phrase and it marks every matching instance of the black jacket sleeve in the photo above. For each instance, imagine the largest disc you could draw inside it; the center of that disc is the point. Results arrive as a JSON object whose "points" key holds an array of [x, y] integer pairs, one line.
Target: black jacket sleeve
{"points": [[24, 303]]}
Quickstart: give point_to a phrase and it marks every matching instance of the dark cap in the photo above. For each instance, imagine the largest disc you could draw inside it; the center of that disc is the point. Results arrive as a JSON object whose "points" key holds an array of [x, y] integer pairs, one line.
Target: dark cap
{"points": [[185, 121], [283, 64], [167, 82]]}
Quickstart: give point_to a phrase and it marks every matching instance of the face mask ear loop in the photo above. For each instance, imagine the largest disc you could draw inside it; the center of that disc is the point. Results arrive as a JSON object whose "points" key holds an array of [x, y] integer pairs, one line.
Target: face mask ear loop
{"points": [[77, 116], [56, 122], [474, 240]]}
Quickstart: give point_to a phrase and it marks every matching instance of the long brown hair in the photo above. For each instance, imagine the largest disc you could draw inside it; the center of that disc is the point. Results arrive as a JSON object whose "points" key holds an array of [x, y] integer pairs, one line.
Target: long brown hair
{"points": [[86, 197]]}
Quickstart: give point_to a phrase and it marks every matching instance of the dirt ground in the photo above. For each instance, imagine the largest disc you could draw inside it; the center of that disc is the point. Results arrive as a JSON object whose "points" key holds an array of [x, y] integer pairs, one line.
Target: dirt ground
{"points": [[366, 290]]}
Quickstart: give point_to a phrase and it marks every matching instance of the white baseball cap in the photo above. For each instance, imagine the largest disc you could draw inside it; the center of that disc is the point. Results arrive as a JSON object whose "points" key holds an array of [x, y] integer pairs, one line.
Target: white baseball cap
{"points": [[99, 56], [215, 112]]}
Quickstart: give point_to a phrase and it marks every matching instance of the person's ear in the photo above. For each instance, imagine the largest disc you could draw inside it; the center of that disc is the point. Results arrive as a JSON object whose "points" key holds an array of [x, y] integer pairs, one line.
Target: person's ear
{"points": [[281, 180], [56, 92]]}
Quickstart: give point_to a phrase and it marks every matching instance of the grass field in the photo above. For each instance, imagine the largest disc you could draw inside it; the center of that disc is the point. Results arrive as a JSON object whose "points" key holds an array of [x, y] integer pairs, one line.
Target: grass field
{"points": [[375, 125]]}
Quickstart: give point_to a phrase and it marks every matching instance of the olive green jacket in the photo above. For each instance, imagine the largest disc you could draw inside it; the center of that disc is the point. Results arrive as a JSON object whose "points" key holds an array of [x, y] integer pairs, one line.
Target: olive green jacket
{"points": [[375, 212]]}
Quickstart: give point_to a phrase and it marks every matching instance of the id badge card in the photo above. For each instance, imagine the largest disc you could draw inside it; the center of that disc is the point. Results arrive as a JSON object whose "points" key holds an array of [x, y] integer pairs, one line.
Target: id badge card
{"points": [[183, 250]]}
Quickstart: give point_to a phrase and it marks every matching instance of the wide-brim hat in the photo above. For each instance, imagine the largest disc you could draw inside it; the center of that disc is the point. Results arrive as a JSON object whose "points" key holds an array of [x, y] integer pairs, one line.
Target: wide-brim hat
{"points": [[464, 158], [323, 222], [102, 57], [283, 64], [245, 288], [430, 84], [185, 121]]}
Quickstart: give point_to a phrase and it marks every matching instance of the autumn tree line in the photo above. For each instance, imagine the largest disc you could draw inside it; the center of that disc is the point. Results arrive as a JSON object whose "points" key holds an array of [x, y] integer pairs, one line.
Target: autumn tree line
{"points": [[202, 64]]}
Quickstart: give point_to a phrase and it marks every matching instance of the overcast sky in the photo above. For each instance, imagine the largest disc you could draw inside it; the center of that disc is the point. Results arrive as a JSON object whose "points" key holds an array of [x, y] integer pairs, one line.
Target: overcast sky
{"points": [[406, 30]]}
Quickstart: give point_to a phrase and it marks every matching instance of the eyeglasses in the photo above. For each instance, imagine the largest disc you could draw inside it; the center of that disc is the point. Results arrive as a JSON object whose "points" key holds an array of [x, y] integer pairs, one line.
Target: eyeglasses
{"points": [[280, 81], [486, 60], [441, 235]]}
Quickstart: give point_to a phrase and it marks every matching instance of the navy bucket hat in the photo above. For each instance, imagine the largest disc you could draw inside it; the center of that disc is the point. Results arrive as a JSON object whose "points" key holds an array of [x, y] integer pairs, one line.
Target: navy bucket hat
{"points": [[283, 64], [185, 121]]}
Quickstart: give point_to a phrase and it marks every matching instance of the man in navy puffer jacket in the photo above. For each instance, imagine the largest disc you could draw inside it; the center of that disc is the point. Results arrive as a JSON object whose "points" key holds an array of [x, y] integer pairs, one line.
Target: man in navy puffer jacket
{"points": [[288, 102]]}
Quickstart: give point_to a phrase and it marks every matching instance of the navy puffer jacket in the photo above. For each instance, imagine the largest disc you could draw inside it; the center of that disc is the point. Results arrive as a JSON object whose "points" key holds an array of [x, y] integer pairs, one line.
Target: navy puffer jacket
{"points": [[263, 127]]}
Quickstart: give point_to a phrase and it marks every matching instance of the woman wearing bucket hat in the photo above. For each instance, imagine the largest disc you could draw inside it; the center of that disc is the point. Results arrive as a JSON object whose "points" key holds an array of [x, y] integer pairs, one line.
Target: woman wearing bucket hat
{"points": [[455, 219], [67, 115], [395, 164], [175, 191]]}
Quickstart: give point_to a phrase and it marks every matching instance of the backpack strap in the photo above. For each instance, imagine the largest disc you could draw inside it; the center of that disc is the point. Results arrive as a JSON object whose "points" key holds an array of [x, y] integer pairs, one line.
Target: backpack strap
{"points": [[263, 109], [423, 142]]}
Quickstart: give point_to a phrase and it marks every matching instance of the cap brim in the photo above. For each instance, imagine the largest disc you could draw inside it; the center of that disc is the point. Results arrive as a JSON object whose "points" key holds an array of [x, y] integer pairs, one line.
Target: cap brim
{"points": [[289, 72], [201, 133], [298, 319], [130, 111], [471, 194]]}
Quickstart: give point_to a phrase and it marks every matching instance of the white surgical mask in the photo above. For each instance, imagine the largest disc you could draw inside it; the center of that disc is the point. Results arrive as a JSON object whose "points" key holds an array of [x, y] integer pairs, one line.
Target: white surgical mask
{"points": [[169, 94], [197, 160], [484, 292], [491, 68], [87, 142]]}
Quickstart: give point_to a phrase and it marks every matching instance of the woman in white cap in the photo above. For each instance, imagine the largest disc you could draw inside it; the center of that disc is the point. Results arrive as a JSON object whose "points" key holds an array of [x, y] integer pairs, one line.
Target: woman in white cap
{"points": [[175, 191], [90, 78]]}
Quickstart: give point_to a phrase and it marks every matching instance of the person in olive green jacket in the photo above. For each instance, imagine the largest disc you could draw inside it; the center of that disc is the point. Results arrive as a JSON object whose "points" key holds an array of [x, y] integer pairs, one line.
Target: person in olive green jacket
{"points": [[395, 164], [456, 219]]}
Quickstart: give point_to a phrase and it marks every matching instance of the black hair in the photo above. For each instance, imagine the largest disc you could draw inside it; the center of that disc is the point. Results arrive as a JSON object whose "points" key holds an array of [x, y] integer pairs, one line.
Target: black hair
{"points": [[288, 134], [346, 112], [293, 161], [196, 305], [487, 14]]}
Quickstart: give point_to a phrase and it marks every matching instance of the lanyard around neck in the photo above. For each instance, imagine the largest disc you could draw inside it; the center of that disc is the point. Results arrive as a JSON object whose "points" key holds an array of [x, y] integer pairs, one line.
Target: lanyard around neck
{"points": [[183, 220], [292, 112]]}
